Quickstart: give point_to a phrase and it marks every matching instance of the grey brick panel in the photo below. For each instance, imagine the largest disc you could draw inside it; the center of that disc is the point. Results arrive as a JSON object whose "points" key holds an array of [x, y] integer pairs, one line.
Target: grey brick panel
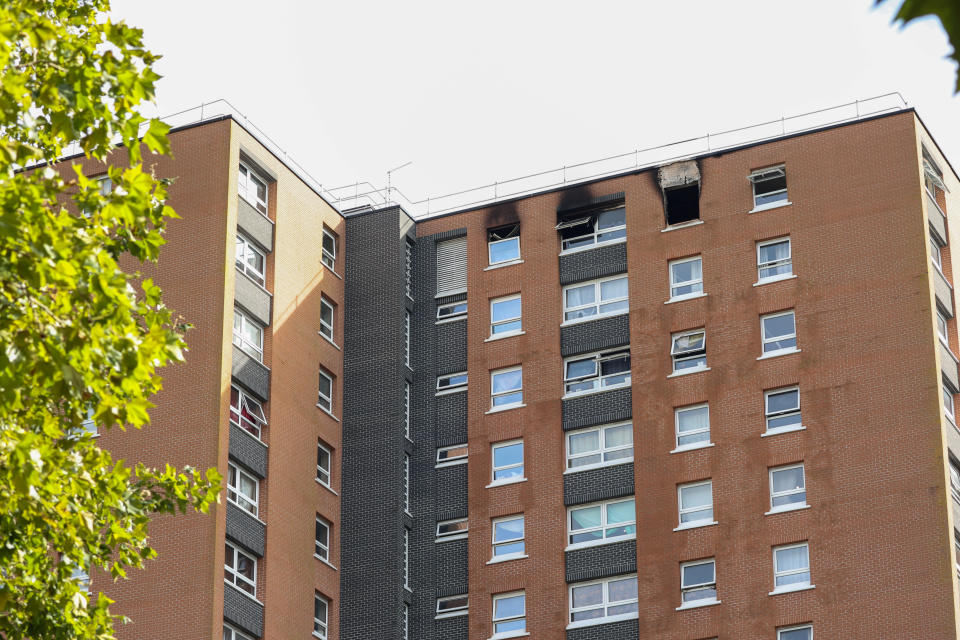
{"points": [[248, 451], [242, 612], [456, 628], [601, 561], [451, 347], [253, 299], [597, 408], [587, 204], [451, 491], [450, 564], [595, 335], [943, 292], [245, 530], [604, 483], [253, 225], [608, 260], [623, 630], [451, 419], [254, 376]]}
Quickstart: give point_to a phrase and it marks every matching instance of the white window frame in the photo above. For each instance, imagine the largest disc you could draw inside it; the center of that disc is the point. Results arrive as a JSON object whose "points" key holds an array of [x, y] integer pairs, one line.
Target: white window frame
{"points": [[406, 339], [677, 356], [603, 526], [763, 175], [455, 610], [699, 444], [598, 301], [943, 328], [792, 506], [935, 254], [231, 571], [490, 244], [598, 378], [255, 351], [452, 388], [954, 470], [698, 586], [328, 407], [329, 258], [497, 323], [494, 396], [683, 510], [602, 449], [766, 341], [253, 406], [454, 313], [406, 559], [768, 415], [235, 634], [406, 621], [326, 330], [604, 604], [455, 534], [320, 627], [494, 468], [949, 408], [775, 263], [799, 627], [777, 573], [457, 459], [507, 619], [406, 483], [245, 246], [328, 472], [593, 219], [408, 267], [244, 174], [406, 410], [499, 543], [321, 550], [247, 504], [686, 283]]}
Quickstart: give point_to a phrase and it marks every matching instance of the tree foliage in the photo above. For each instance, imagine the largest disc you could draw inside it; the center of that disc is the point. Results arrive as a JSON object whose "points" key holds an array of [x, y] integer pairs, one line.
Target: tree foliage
{"points": [[79, 337], [948, 11]]}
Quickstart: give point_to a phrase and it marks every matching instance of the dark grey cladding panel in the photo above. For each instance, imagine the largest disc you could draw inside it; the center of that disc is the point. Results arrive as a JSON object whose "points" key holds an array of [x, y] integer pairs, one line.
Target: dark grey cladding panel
{"points": [[597, 408], [451, 491], [451, 347], [451, 419], [245, 530], [601, 561], [451, 567], [456, 297], [251, 374], [623, 630], [254, 225], [456, 628], [595, 335], [241, 611], [248, 451], [447, 235], [615, 481], [253, 299], [608, 260]]}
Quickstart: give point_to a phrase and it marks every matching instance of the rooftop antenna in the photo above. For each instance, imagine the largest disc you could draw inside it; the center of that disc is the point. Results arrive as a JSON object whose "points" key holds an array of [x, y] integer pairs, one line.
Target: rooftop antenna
{"points": [[389, 174]]}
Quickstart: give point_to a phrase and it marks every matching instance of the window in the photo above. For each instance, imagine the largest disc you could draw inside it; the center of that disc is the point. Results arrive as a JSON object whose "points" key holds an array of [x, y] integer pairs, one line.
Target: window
{"points": [[504, 244], [446, 456], [252, 188], [328, 252], [406, 339], [597, 371], [406, 559], [406, 483], [506, 388], [788, 488], [696, 504], [323, 464], [774, 260], [682, 204], [692, 426], [509, 614], [599, 446], [408, 267], [948, 403], [605, 297], [453, 606], [452, 529], [796, 633], [935, 256], [452, 311], [451, 266], [239, 569], [321, 607], [955, 479], [406, 410], [698, 582], [587, 231], [246, 413], [248, 335], [242, 489], [452, 382], [507, 461], [505, 316], [327, 312], [325, 391], [250, 260], [782, 409], [604, 600], [322, 546], [406, 621], [686, 278], [508, 538], [769, 187], [601, 522], [779, 333], [689, 351], [791, 567], [229, 633], [942, 330]]}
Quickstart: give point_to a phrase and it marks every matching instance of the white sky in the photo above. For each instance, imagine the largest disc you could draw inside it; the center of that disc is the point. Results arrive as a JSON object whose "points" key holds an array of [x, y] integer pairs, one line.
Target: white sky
{"points": [[493, 90]]}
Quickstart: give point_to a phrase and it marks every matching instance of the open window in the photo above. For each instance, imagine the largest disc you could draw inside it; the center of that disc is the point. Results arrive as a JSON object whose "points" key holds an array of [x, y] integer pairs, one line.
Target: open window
{"points": [[504, 244], [584, 230], [769, 187], [680, 184]]}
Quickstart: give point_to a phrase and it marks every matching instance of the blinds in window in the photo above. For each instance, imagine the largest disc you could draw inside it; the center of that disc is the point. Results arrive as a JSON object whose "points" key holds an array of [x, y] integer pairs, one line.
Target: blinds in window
{"points": [[451, 266]]}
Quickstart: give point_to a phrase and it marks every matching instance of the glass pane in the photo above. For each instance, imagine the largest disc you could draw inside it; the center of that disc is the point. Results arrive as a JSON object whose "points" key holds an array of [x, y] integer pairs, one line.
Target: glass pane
{"points": [[686, 271], [788, 499], [508, 399], [683, 440], [612, 218], [512, 625], [612, 289], [588, 595], [581, 368], [505, 474], [707, 593], [788, 480], [697, 574], [614, 307], [507, 327], [618, 436], [611, 235], [689, 342], [774, 252], [324, 386], [587, 614], [783, 401], [508, 530], [622, 590], [508, 455], [578, 296], [586, 518], [802, 577], [508, 549], [619, 454], [506, 309], [622, 608], [792, 559], [504, 250], [693, 419], [615, 365], [621, 512], [583, 442], [796, 634], [778, 326], [507, 381], [700, 495], [585, 460], [508, 607]]}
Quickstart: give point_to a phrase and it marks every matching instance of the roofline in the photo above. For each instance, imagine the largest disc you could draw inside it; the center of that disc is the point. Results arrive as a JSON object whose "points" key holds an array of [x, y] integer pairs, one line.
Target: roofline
{"points": [[937, 145]]}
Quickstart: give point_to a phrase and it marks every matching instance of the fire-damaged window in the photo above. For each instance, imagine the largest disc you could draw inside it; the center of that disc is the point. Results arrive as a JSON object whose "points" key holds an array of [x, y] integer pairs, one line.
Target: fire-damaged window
{"points": [[504, 244], [769, 187], [593, 228], [680, 183]]}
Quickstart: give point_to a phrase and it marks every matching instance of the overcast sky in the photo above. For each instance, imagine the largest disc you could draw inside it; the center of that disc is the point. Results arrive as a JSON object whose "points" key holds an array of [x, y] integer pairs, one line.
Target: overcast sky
{"points": [[473, 93]]}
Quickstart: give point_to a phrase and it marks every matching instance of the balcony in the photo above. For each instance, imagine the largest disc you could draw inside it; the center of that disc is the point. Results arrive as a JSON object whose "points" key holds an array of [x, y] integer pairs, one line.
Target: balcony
{"points": [[938, 219], [948, 365], [943, 290]]}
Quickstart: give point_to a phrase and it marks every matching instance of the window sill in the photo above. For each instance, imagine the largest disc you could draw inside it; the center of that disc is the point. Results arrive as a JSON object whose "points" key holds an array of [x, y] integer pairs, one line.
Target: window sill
{"points": [[760, 283], [325, 561], [580, 394], [327, 487], [799, 507], [777, 354], [459, 536], [599, 543], [449, 320], [500, 265], [452, 614], [693, 296], [501, 336], [322, 335], [806, 587], [686, 372], [776, 432], [694, 447], [567, 323], [606, 620], [327, 411], [697, 605], [772, 205], [449, 463], [506, 407], [512, 634], [514, 556], [695, 525], [331, 270], [682, 225], [595, 245], [599, 465], [504, 483], [447, 392]]}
